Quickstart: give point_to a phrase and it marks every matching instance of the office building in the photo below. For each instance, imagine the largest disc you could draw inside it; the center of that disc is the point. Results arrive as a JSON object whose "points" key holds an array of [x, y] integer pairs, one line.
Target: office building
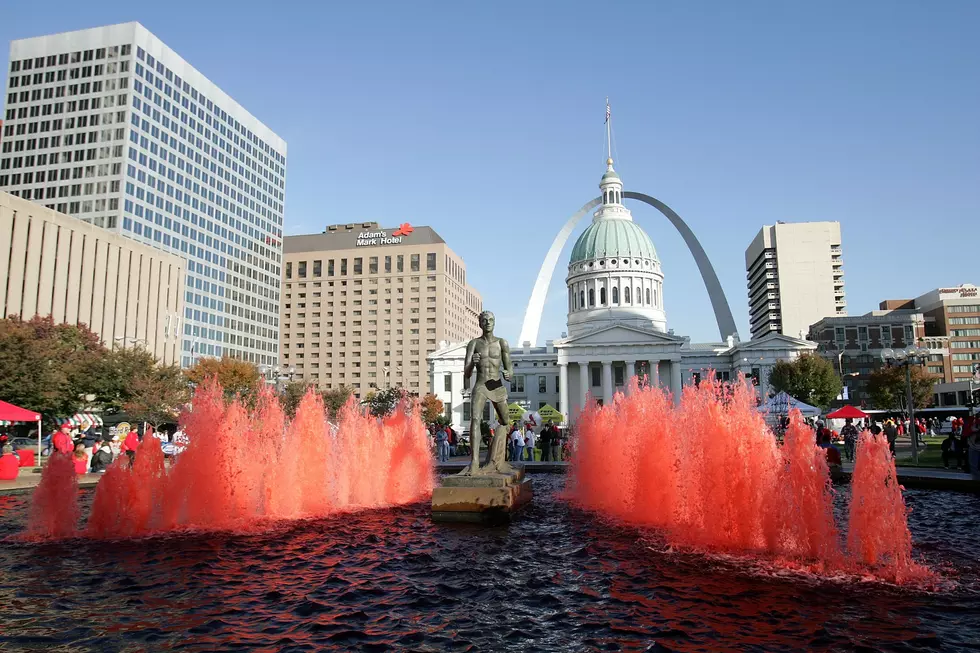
{"points": [[795, 276], [113, 127], [126, 292], [363, 306], [952, 313]]}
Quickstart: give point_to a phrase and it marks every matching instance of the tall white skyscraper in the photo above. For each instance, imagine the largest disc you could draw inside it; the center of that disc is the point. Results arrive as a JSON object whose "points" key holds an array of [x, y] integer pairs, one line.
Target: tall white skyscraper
{"points": [[113, 127], [795, 277]]}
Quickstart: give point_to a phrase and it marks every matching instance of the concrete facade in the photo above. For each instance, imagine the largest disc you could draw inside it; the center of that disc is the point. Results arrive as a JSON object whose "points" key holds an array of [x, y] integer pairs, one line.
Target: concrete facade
{"points": [[77, 273], [363, 306], [795, 277], [113, 127]]}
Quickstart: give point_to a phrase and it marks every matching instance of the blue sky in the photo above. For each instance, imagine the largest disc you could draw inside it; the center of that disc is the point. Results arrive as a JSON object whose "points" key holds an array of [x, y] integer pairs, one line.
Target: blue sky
{"points": [[484, 120]]}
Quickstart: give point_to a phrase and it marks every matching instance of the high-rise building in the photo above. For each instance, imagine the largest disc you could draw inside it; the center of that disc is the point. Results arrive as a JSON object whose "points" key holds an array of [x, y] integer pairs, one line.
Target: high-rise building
{"points": [[363, 306], [952, 313], [53, 265], [112, 127], [795, 276]]}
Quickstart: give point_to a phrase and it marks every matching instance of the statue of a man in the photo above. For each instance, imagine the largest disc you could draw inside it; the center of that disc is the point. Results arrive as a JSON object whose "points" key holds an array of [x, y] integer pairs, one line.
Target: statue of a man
{"points": [[490, 356]]}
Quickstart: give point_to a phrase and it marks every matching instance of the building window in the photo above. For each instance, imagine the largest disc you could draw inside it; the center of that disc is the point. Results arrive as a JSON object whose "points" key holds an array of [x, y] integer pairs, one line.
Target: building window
{"points": [[317, 268], [343, 267], [387, 264], [648, 296], [373, 265], [467, 411], [518, 384], [596, 377], [615, 295], [618, 372], [542, 384], [289, 270], [602, 296], [447, 382], [358, 265], [591, 297], [415, 262], [400, 263], [626, 295], [638, 297], [330, 268], [581, 299], [430, 261]]}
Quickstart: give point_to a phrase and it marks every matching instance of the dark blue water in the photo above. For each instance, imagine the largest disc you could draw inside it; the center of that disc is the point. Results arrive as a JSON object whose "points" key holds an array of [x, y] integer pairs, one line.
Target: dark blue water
{"points": [[556, 580]]}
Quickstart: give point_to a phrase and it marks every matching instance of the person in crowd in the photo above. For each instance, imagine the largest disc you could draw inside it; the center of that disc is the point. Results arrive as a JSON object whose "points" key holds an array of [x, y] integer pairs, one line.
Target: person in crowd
{"points": [[875, 429], [130, 444], [544, 441], [833, 453], [555, 444], [453, 440], [850, 434], [973, 453], [87, 437], [952, 450], [442, 444], [102, 458], [529, 441], [891, 432], [9, 464], [518, 439], [80, 459], [62, 440]]}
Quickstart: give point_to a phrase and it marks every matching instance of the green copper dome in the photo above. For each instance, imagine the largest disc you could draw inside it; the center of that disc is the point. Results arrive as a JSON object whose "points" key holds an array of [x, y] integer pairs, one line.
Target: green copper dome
{"points": [[613, 237]]}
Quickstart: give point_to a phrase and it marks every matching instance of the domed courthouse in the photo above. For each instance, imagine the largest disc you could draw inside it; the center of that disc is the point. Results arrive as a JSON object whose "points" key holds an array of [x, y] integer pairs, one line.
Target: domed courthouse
{"points": [[617, 325]]}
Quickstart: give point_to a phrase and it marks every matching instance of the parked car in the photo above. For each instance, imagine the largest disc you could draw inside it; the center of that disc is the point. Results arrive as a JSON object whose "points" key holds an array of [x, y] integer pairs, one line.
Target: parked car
{"points": [[23, 443]]}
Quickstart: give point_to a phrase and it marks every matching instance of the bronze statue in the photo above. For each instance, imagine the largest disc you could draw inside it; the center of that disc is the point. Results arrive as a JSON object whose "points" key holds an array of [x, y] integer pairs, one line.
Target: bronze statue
{"points": [[490, 356]]}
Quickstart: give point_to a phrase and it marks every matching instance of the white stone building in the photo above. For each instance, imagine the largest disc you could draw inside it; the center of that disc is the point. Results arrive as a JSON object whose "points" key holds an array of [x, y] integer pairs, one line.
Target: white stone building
{"points": [[113, 127], [617, 329]]}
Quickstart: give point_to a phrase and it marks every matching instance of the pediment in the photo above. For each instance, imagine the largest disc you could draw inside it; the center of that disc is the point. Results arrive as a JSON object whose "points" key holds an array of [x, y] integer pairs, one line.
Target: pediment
{"points": [[454, 350], [618, 334], [775, 341]]}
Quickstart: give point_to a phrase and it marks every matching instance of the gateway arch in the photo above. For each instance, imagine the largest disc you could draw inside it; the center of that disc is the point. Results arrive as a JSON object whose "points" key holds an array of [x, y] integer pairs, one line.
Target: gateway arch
{"points": [[719, 304]]}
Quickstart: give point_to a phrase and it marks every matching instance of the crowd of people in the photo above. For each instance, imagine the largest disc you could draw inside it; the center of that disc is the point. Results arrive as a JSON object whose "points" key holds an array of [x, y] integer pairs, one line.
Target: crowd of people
{"points": [[522, 442]]}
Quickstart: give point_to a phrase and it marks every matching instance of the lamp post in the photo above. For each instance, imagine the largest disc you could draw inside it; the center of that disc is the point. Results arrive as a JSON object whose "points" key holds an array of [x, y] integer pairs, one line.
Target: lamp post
{"points": [[275, 374], [906, 358]]}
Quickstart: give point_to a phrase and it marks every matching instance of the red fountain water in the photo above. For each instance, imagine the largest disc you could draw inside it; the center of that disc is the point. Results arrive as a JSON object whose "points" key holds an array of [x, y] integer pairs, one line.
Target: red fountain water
{"points": [[241, 468], [711, 474]]}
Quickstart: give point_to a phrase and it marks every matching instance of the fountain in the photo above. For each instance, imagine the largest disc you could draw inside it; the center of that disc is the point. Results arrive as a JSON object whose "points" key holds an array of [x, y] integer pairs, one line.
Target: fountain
{"points": [[241, 469]]}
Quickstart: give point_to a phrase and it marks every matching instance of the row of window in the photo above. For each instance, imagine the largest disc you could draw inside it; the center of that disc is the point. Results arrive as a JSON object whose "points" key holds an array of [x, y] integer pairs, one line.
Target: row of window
{"points": [[65, 58], [358, 265], [578, 301], [965, 308]]}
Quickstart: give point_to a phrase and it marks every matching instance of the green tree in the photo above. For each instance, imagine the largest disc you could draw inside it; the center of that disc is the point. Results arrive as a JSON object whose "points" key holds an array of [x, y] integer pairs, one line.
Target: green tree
{"points": [[335, 398], [383, 402], [117, 373], [810, 378], [887, 389], [431, 407], [47, 367], [237, 377], [291, 395], [157, 396]]}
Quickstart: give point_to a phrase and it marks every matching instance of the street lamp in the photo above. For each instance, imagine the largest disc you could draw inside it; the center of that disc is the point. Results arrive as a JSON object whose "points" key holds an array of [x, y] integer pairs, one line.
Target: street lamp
{"points": [[275, 374], [906, 358]]}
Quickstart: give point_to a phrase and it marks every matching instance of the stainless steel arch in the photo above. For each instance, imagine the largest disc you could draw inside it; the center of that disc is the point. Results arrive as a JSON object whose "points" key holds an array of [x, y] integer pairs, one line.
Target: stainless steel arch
{"points": [[719, 303]]}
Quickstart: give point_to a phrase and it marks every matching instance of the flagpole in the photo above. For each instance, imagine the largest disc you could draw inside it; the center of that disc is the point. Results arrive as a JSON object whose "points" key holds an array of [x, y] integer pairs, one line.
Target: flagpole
{"points": [[608, 130]]}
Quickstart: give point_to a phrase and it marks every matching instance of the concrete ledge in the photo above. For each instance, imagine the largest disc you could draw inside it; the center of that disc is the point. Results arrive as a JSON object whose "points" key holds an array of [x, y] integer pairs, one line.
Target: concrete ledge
{"points": [[480, 504]]}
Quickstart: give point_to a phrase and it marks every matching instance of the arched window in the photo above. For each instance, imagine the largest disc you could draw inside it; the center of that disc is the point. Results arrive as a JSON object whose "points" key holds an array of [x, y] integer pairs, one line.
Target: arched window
{"points": [[581, 299], [571, 299], [591, 296], [648, 295], [602, 296], [639, 296], [615, 294], [605, 197], [626, 295], [655, 303], [617, 197]]}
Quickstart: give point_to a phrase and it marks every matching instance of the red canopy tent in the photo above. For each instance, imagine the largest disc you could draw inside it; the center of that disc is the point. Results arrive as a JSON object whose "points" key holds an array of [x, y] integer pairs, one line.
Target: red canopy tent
{"points": [[847, 412], [11, 413]]}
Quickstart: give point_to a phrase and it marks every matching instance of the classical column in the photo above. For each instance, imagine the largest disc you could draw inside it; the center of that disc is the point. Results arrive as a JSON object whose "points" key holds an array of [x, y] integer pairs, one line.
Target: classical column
{"points": [[675, 381], [607, 383], [563, 390], [655, 374], [630, 373], [583, 382]]}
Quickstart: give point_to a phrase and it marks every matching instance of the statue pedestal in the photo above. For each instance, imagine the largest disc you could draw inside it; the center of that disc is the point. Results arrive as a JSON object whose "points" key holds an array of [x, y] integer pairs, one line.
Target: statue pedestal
{"points": [[492, 498]]}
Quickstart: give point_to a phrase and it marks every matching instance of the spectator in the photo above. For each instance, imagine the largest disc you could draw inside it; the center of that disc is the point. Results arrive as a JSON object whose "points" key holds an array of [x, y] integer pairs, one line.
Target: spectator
{"points": [[545, 442], [88, 438], [952, 449], [80, 459], [442, 444], [9, 464], [453, 440], [529, 439], [833, 453], [62, 440], [850, 433], [891, 432], [130, 444], [518, 439], [102, 458], [555, 444]]}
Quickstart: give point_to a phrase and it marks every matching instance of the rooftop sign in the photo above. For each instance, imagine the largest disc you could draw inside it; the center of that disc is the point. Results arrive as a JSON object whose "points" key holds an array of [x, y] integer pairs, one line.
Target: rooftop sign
{"points": [[373, 238]]}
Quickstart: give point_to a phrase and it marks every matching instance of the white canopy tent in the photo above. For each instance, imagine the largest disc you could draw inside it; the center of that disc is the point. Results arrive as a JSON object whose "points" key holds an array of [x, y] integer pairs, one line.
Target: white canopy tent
{"points": [[782, 403]]}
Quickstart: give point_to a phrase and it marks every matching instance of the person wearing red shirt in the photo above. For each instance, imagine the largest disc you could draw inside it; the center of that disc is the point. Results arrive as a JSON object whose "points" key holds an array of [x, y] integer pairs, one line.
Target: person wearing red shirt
{"points": [[62, 440], [9, 464], [80, 459], [130, 445]]}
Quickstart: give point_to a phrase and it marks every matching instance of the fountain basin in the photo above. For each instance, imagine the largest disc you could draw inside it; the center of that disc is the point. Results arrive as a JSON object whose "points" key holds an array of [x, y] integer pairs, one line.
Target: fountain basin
{"points": [[492, 498]]}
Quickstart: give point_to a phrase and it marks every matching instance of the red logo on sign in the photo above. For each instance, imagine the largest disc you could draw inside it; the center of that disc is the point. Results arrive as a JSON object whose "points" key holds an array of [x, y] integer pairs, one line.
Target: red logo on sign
{"points": [[404, 230]]}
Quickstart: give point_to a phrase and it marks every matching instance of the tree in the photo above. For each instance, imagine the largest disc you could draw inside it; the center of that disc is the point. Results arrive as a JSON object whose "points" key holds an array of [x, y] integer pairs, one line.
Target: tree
{"points": [[383, 402], [47, 367], [292, 394], [887, 389], [810, 378], [157, 396], [117, 373], [335, 398], [237, 377], [431, 407]]}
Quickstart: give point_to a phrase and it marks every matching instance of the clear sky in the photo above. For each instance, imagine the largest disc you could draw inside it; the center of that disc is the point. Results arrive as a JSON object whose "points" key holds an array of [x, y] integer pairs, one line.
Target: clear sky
{"points": [[484, 120]]}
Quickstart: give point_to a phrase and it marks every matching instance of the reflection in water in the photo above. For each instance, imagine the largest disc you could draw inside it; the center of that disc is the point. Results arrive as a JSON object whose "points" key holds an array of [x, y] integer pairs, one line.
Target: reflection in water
{"points": [[558, 579]]}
